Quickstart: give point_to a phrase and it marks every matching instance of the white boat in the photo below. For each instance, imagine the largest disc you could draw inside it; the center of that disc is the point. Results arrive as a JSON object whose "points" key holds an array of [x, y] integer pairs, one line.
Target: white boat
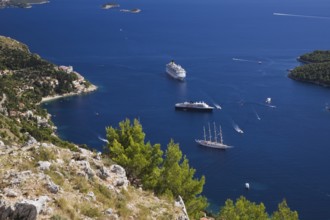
{"points": [[194, 106], [175, 70], [213, 144], [247, 186], [268, 100], [238, 129]]}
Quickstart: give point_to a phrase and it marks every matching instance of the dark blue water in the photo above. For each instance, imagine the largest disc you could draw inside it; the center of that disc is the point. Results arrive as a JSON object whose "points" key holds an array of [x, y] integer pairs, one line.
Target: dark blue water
{"points": [[283, 155]]}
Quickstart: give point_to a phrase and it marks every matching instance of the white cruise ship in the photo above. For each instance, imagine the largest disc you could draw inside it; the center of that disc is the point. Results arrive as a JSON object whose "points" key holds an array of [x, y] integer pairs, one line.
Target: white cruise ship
{"points": [[175, 70], [194, 106]]}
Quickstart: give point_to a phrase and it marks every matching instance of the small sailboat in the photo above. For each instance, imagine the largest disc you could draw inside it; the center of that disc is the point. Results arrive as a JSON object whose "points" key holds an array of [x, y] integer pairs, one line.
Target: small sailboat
{"points": [[247, 186], [213, 143]]}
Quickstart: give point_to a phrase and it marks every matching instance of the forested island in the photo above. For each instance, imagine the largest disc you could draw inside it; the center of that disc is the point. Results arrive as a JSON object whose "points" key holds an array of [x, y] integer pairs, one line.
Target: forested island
{"points": [[316, 68], [20, 3], [45, 177]]}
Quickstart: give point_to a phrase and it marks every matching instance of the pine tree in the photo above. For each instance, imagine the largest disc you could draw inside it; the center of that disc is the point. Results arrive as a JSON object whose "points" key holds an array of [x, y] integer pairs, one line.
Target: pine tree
{"points": [[127, 148], [284, 212], [177, 179]]}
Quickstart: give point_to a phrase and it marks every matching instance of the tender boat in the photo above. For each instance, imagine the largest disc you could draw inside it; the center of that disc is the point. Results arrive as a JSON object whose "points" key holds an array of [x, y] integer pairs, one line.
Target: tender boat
{"points": [[194, 106]]}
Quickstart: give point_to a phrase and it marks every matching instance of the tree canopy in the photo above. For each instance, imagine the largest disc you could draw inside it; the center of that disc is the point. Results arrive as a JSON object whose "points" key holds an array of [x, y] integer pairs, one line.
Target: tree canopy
{"points": [[316, 69], [144, 163], [243, 209]]}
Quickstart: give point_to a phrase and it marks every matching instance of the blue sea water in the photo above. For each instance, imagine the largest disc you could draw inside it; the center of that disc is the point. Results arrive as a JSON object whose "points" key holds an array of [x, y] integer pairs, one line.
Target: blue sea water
{"points": [[283, 155]]}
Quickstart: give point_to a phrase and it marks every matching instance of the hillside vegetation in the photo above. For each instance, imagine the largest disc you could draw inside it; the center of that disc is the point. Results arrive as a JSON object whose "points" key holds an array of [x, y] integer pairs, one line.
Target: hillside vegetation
{"points": [[25, 79], [315, 70]]}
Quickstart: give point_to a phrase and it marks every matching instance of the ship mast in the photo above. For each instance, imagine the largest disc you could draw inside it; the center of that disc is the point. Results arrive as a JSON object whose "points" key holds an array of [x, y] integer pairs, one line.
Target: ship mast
{"points": [[220, 133], [210, 133], [215, 133], [204, 133]]}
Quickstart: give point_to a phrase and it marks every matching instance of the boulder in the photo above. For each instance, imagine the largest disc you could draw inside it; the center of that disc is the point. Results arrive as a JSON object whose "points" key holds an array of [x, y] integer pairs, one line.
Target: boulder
{"points": [[52, 187], [20, 211], [5, 212], [25, 211], [104, 173], [118, 170]]}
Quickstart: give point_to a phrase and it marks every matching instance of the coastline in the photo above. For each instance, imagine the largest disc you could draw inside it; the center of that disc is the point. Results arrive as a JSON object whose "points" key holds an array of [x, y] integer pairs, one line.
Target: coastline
{"points": [[91, 88]]}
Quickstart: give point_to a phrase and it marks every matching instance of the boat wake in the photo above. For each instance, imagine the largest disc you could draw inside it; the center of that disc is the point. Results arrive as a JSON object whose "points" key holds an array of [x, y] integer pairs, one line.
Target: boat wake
{"points": [[244, 60], [300, 16], [217, 106], [104, 140], [238, 129], [257, 115]]}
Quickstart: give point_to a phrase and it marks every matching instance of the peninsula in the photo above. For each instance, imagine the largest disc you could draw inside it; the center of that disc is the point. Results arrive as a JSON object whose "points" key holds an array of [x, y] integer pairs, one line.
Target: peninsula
{"points": [[316, 68]]}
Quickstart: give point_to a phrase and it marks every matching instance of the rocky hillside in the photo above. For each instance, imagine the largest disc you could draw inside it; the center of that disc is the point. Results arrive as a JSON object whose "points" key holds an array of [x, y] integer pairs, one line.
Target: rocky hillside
{"points": [[42, 181]]}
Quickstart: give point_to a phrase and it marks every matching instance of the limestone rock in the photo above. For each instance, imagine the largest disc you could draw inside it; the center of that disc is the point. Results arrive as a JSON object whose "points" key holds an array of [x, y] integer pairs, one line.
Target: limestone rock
{"points": [[118, 170], [18, 177], [44, 165], [10, 192], [86, 168], [91, 195], [119, 177], [31, 141], [109, 211], [39, 203], [104, 173], [52, 187]]}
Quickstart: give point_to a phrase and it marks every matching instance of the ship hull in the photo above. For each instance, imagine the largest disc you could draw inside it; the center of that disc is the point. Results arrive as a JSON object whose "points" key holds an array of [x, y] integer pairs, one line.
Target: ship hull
{"points": [[193, 109], [212, 144], [175, 76]]}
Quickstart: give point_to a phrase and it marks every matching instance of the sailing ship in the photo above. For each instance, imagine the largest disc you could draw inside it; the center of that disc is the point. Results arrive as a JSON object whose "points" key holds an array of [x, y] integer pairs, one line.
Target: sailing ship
{"points": [[213, 143]]}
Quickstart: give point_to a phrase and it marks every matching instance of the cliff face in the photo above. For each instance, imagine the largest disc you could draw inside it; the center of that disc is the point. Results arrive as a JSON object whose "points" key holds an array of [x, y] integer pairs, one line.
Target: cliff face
{"points": [[44, 177]]}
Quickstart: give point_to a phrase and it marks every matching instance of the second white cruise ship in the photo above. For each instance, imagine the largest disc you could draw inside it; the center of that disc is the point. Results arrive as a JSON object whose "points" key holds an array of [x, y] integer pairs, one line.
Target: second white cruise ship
{"points": [[175, 70]]}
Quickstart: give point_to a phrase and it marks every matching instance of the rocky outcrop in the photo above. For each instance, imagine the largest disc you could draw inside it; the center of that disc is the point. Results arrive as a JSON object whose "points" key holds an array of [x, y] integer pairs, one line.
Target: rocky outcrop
{"points": [[40, 189]]}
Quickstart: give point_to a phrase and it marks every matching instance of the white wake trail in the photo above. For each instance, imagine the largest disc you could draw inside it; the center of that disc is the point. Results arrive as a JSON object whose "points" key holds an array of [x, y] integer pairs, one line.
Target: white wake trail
{"points": [[301, 16], [236, 128], [104, 140]]}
